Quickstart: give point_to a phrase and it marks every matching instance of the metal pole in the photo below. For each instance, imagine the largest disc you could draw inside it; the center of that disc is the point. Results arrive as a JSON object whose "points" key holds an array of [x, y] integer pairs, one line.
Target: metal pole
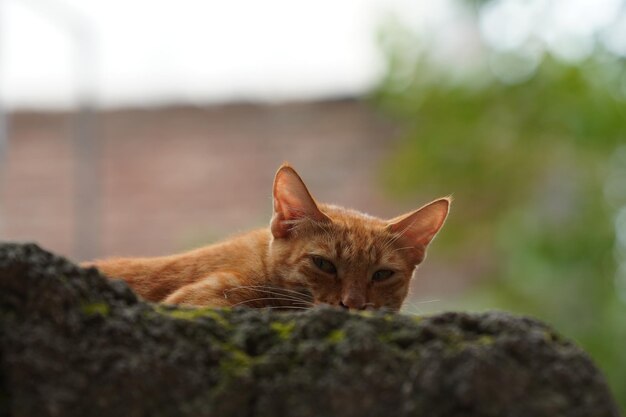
{"points": [[87, 172], [4, 128]]}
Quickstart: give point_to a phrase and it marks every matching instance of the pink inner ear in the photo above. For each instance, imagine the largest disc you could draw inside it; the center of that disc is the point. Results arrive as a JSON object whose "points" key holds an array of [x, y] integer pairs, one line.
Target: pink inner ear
{"points": [[422, 225], [294, 206], [292, 201]]}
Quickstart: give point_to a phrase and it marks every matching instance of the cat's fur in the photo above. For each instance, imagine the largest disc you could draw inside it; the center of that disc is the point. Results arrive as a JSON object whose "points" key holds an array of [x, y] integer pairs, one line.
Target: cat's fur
{"points": [[311, 253]]}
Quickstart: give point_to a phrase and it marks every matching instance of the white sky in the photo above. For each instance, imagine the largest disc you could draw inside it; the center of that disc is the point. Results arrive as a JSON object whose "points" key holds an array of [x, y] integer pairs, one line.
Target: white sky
{"points": [[156, 51], [193, 50]]}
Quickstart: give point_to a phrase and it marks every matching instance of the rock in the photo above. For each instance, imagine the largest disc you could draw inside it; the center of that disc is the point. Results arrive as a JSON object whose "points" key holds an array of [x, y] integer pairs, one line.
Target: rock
{"points": [[73, 343]]}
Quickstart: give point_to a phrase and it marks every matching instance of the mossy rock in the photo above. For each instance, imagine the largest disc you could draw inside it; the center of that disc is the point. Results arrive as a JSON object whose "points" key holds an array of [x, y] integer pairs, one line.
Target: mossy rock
{"points": [[73, 343]]}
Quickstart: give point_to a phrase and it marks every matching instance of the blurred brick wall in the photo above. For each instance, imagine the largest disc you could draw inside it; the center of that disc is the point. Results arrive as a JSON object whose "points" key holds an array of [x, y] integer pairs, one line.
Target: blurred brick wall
{"points": [[174, 178]]}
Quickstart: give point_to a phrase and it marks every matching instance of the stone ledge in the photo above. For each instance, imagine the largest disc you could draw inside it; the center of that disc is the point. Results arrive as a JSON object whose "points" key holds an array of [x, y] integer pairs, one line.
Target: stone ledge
{"points": [[73, 343]]}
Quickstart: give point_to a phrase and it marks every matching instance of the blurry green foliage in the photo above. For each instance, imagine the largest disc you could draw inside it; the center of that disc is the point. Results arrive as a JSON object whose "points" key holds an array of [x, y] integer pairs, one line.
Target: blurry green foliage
{"points": [[528, 165]]}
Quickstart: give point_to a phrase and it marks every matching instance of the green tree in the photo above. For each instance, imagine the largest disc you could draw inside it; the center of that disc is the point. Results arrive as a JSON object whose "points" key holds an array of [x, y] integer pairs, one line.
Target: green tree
{"points": [[534, 167]]}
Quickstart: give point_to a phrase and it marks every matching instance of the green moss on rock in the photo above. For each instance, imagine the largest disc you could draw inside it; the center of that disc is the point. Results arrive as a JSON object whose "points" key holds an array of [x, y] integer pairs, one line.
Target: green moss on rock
{"points": [[193, 313], [97, 308], [336, 336], [236, 362], [284, 330]]}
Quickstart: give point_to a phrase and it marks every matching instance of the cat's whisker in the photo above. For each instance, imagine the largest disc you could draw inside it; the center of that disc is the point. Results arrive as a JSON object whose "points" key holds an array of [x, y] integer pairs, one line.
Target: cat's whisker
{"points": [[413, 310], [261, 289], [269, 299], [286, 308], [387, 244], [426, 301], [395, 238], [413, 306], [281, 296], [404, 248], [280, 289], [270, 287], [399, 234], [297, 295], [408, 226]]}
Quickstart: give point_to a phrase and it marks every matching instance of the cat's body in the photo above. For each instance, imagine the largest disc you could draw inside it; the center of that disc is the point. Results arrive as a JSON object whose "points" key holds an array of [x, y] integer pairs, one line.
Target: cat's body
{"points": [[310, 254]]}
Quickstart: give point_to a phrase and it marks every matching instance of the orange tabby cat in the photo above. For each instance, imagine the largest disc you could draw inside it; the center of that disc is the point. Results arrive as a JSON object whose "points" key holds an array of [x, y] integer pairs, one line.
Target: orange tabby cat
{"points": [[311, 254]]}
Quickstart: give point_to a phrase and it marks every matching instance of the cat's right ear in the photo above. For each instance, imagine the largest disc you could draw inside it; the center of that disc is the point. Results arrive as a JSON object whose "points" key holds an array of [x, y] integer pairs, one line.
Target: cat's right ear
{"points": [[292, 202]]}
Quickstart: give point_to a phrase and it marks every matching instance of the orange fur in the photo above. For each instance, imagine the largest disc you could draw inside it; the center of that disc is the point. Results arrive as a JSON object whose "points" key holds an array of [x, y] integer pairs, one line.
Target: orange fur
{"points": [[311, 253]]}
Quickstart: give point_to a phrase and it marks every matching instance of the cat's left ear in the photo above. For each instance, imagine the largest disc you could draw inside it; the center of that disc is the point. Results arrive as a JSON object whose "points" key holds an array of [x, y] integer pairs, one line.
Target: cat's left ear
{"points": [[419, 227], [292, 202]]}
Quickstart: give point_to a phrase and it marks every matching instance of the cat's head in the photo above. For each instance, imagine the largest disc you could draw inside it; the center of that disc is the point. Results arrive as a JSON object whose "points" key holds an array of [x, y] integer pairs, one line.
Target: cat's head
{"points": [[344, 257]]}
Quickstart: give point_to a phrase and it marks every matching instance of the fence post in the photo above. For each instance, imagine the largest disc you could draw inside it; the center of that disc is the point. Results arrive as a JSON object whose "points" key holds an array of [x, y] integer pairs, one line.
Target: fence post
{"points": [[4, 128]]}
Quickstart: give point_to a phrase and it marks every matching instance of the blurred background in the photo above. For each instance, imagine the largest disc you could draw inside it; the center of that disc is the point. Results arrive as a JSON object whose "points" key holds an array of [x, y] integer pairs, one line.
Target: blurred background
{"points": [[145, 128]]}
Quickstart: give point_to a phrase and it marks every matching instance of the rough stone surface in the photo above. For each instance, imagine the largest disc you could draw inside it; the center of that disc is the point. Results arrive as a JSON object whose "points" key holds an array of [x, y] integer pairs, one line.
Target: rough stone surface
{"points": [[73, 343]]}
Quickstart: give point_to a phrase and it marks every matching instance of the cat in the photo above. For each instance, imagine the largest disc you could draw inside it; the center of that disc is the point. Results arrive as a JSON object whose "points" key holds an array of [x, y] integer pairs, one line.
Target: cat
{"points": [[310, 254]]}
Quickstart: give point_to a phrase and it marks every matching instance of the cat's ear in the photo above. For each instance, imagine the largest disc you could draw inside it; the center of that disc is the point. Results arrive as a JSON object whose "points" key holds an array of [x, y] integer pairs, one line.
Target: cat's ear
{"points": [[292, 202], [419, 227]]}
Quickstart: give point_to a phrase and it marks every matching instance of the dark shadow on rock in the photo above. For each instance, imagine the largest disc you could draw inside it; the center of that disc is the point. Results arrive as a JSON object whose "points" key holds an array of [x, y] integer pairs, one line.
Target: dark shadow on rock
{"points": [[73, 343]]}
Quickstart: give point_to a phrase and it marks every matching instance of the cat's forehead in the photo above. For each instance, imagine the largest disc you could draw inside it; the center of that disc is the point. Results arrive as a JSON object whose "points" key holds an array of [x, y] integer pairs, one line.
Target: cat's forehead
{"points": [[357, 236], [351, 218], [352, 227], [358, 246]]}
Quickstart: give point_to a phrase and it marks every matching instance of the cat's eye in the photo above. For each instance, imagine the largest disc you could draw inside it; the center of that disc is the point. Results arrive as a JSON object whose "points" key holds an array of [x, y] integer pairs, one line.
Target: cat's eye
{"points": [[382, 275], [324, 265]]}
